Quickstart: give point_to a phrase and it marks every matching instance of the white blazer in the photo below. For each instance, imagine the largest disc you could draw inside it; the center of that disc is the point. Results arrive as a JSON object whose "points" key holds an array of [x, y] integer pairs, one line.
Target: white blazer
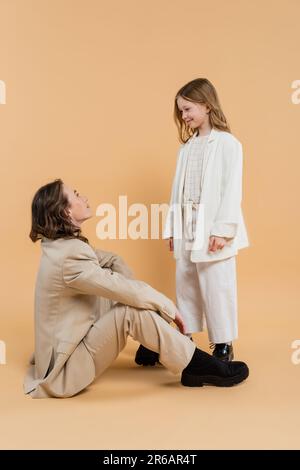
{"points": [[219, 212]]}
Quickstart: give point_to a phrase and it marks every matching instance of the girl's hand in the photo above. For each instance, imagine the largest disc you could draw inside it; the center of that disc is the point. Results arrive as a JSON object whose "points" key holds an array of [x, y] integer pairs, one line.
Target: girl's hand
{"points": [[216, 243], [179, 323], [171, 244]]}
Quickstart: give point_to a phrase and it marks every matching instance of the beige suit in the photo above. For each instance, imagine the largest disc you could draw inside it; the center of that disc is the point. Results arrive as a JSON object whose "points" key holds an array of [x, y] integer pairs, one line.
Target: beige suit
{"points": [[86, 304]]}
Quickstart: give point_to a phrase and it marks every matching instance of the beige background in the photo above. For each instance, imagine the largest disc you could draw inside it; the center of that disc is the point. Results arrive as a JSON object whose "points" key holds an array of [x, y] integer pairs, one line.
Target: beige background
{"points": [[90, 88]]}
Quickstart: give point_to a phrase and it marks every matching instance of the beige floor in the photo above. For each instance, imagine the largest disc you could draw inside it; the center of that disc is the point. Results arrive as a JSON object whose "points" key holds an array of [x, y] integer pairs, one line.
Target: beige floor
{"points": [[135, 408]]}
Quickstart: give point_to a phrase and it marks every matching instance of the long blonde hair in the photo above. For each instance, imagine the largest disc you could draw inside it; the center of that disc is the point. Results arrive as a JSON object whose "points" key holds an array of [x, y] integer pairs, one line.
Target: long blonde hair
{"points": [[201, 91]]}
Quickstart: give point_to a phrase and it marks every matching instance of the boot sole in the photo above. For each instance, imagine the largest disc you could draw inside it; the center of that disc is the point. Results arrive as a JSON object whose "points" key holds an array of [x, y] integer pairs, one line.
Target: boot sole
{"points": [[200, 380], [146, 362]]}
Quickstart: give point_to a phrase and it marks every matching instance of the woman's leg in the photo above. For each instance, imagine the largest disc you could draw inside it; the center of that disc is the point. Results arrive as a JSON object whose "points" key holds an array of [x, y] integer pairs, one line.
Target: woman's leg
{"points": [[108, 336]]}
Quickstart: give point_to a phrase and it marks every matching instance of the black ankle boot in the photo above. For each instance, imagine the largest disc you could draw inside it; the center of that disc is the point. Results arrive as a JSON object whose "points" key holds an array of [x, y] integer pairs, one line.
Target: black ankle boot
{"points": [[204, 369], [223, 351], [146, 357]]}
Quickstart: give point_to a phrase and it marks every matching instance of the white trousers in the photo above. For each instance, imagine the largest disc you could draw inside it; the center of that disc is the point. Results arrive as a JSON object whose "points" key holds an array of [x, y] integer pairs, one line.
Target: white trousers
{"points": [[206, 293]]}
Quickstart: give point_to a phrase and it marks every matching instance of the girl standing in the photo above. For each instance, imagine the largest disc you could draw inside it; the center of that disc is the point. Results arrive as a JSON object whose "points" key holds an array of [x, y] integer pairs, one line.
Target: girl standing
{"points": [[205, 224]]}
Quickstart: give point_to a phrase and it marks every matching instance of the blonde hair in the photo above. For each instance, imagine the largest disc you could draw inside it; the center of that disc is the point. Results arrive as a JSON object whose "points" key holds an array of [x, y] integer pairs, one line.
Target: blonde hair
{"points": [[201, 91]]}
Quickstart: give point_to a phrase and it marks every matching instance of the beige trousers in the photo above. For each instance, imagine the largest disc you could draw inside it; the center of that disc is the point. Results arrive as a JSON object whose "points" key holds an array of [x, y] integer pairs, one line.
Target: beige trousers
{"points": [[107, 337]]}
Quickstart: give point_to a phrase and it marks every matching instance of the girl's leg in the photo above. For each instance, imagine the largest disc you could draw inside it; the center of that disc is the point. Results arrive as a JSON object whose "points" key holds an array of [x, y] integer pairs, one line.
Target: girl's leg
{"points": [[108, 336], [188, 294], [217, 281]]}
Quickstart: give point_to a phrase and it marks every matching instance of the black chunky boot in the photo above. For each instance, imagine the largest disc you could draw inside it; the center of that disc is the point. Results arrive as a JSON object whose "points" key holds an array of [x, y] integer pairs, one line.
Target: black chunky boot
{"points": [[146, 357], [205, 369]]}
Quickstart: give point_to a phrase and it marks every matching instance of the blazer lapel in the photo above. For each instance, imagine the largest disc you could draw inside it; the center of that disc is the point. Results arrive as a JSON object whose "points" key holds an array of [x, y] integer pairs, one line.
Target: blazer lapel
{"points": [[184, 157], [208, 152]]}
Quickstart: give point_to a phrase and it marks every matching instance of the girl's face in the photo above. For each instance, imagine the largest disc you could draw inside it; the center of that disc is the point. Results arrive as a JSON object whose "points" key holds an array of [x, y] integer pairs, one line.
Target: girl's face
{"points": [[78, 209], [194, 114]]}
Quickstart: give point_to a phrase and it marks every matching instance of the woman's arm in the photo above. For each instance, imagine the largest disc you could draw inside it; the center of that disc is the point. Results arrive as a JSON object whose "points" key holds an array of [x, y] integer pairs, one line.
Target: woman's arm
{"points": [[114, 262], [82, 272]]}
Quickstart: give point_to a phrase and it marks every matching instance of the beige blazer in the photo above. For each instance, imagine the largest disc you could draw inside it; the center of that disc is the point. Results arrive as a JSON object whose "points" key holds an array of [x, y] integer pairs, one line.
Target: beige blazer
{"points": [[75, 285]]}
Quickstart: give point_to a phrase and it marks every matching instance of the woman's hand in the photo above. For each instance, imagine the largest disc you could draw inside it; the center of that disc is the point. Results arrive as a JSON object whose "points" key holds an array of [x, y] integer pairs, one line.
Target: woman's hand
{"points": [[217, 243], [171, 244], [179, 323]]}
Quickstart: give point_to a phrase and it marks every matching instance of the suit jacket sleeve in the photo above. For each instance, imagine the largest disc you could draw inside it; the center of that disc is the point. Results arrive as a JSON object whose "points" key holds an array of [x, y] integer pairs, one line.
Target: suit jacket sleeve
{"points": [[114, 262], [168, 231], [83, 273], [228, 215]]}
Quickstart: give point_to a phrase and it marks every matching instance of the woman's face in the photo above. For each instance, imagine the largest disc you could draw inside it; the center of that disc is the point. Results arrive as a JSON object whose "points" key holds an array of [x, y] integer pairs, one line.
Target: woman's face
{"points": [[194, 114], [78, 209]]}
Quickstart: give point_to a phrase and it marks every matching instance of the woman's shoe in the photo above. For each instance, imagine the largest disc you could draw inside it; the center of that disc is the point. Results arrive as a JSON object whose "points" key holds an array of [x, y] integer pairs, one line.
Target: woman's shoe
{"points": [[146, 357], [205, 369]]}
